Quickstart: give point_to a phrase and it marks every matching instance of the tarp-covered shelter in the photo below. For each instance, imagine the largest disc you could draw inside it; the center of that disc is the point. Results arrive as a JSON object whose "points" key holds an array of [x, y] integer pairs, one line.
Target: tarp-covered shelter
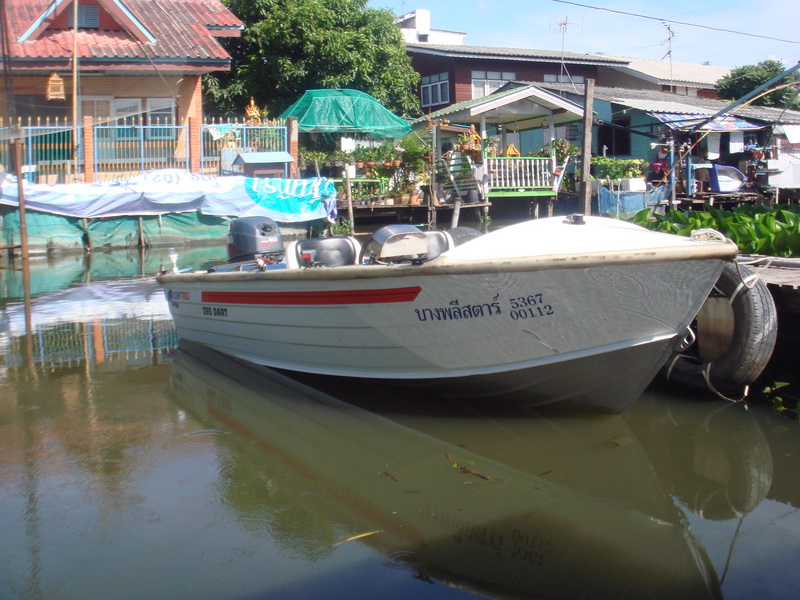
{"points": [[161, 207], [345, 111]]}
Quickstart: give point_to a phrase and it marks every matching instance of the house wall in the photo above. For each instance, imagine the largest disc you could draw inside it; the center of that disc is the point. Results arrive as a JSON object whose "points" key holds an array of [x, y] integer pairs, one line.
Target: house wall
{"points": [[107, 22], [30, 91], [533, 140], [613, 78], [460, 70], [33, 107]]}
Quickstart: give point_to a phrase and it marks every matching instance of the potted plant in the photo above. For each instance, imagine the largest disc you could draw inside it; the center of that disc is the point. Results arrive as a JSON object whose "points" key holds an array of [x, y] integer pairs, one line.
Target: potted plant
{"points": [[626, 173], [463, 141], [398, 155], [342, 158], [361, 155], [491, 145]]}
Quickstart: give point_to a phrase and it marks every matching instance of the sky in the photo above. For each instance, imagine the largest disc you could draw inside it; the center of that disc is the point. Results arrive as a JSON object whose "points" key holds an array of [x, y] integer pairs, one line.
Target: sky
{"points": [[677, 28]]}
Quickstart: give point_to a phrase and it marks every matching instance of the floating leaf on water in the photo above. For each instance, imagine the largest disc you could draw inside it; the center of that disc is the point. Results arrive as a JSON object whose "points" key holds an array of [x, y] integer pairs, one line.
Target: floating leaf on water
{"points": [[357, 537]]}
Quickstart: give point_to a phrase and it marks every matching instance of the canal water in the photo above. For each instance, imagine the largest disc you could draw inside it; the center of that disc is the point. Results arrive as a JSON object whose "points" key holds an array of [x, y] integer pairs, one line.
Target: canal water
{"points": [[131, 469]]}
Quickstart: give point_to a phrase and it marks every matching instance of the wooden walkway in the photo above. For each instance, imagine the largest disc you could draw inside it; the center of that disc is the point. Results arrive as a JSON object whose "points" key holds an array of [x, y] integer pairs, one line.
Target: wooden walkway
{"points": [[782, 276]]}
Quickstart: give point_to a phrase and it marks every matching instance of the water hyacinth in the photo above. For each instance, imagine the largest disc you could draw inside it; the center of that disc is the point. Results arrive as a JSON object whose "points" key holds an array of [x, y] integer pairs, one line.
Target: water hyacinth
{"points": [[774, 231]]}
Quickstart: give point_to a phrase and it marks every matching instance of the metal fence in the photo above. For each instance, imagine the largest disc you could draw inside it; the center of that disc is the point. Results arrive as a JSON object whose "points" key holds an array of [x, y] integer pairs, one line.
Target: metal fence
{"points": [[122, 151], [47, 148], [223, 141]]}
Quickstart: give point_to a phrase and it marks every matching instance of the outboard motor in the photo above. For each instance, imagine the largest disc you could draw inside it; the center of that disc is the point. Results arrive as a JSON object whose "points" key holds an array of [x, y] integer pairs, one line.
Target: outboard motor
{"points": [[394, 244], [249, 237]]}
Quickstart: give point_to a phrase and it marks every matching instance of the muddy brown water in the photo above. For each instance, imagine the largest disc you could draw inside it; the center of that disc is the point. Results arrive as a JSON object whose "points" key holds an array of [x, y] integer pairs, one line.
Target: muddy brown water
{"points": [[130, 468]]}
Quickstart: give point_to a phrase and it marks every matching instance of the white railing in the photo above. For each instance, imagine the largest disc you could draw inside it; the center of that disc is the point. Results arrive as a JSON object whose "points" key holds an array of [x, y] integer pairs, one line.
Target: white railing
{"points": [[519, 173]]}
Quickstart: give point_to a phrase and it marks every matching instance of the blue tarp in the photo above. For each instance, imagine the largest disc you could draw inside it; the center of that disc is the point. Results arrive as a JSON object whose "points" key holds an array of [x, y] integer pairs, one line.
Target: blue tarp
{"points": [[168, 191], [627, 204], [684, 121]]}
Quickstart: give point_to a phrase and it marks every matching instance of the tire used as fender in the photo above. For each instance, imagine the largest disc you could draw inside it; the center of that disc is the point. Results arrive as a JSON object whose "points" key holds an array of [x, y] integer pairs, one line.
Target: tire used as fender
{"points": [[755, 330]]}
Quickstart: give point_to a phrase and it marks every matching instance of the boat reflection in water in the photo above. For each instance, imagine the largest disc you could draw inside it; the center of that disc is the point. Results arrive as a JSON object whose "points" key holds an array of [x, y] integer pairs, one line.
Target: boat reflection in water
{"points": [[505, 503]]}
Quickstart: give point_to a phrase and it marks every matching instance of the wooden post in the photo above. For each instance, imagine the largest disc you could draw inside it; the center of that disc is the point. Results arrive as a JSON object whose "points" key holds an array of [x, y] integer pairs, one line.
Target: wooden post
{"points": [[23, 226], [292, 132], [89, 246], [586, 149], [349, 195], [75, 92], [16, 148], [456, 211]]}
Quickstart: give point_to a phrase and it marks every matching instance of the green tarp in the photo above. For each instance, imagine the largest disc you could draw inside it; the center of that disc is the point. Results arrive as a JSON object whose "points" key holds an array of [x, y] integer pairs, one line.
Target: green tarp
{"points": [[345, 111]]}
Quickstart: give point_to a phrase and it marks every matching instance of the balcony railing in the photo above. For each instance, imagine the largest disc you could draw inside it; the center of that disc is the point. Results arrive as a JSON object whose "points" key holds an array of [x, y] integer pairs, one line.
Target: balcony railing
{"points": [[519, 176]]}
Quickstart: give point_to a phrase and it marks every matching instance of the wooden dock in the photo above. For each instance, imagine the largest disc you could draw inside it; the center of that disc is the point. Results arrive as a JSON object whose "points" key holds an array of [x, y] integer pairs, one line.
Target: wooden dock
{"points": [[782, 276], [433, 216]]}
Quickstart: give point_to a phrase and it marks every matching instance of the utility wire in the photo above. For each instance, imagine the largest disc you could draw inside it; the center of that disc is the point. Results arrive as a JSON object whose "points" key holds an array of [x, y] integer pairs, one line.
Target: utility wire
{"points": [[629, 14]]}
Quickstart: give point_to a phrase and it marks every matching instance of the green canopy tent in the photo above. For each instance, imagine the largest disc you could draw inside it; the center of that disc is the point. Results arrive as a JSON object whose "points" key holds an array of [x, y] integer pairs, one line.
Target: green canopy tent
{"points": [[345, 111]]}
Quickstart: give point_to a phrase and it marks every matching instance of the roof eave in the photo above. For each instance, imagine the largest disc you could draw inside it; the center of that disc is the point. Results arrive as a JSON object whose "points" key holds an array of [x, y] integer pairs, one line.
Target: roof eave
{"points": [[225, 31], [515, 57], [660, 80]]}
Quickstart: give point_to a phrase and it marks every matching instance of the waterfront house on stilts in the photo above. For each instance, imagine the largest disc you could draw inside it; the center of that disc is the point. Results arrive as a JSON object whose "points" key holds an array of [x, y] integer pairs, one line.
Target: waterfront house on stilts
{"points": [[487, 161]]}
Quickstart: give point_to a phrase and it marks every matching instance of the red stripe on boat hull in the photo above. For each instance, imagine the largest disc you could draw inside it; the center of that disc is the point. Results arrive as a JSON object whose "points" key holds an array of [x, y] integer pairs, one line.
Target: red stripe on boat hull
{"points": [[386, 296]]}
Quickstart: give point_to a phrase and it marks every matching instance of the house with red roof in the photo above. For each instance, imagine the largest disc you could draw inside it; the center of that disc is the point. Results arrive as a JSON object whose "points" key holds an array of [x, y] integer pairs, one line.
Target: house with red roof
{"points": [[120, 62]]}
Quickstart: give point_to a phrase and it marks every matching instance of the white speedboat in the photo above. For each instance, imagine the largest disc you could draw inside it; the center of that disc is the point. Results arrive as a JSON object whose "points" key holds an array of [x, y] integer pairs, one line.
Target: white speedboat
{"points": [[575, 312]]}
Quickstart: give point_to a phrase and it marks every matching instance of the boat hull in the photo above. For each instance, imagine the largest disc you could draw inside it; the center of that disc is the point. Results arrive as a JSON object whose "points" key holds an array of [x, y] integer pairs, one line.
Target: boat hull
{"points": [[582, 334]]}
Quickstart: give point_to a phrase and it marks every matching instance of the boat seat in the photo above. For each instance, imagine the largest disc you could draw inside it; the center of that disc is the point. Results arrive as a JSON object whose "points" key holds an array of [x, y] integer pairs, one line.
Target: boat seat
{"points": [[335, 251]]}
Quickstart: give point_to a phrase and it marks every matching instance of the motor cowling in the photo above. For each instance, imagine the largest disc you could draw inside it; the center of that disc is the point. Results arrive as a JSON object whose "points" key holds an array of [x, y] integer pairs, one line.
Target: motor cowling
{"points": [[249, 237]]}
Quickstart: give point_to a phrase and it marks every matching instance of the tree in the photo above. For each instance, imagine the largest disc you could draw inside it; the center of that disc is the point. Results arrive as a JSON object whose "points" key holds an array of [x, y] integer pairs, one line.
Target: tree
{"points": [[742, 80], [290, 46]]}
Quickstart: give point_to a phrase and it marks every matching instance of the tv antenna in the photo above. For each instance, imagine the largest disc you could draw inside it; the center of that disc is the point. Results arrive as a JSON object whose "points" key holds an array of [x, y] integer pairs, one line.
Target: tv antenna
{"points": [[563, 25], [668, 41]]}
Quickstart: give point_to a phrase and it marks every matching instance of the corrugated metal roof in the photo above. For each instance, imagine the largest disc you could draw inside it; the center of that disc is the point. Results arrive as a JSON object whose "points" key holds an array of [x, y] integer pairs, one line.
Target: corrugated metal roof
{"points": [[526, 105], [665, 72], [692, 120], [184, 31], [257, 158], [513, 54], [657, 101], [664, 106]]}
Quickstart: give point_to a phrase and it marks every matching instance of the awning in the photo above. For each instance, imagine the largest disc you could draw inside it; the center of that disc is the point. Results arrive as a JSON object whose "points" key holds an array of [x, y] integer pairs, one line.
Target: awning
{"points": [[686, 121], [250, 158]]}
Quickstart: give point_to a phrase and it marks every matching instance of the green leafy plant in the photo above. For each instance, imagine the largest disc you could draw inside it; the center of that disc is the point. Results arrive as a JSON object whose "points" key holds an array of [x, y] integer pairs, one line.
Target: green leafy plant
{"points": [[307, 158], [780, 403], [612, 169], [772, 231], [561, 149], [342, 157], [339, 227]]}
